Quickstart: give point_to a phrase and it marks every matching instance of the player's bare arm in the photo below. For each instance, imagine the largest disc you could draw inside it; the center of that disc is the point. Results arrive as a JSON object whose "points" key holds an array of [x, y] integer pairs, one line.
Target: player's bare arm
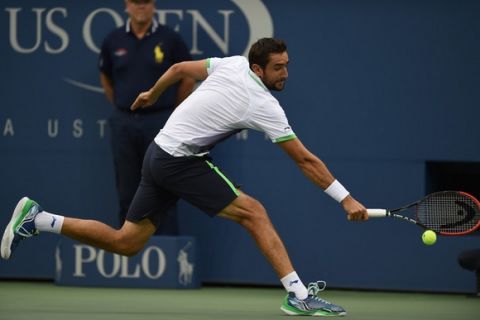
{"points": [[184, 89], [316, 170], [187, 69]]}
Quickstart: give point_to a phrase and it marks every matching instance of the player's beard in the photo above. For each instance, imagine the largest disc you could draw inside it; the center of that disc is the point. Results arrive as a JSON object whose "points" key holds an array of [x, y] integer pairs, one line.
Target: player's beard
{"points": [[278, 85]]}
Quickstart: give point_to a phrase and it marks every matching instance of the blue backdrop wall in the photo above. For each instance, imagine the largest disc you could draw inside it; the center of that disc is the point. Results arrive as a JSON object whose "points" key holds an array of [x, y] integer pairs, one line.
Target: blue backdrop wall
{"points": [[376, 89]]}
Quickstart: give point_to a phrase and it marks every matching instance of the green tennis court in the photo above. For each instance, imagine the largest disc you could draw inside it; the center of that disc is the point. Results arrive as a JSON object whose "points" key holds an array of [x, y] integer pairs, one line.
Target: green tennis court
{"points": [[44, 300]]}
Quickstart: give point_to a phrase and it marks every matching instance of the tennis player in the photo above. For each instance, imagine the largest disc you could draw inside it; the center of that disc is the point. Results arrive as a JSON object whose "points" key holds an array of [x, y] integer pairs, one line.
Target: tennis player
{"points": [[235, 95]]}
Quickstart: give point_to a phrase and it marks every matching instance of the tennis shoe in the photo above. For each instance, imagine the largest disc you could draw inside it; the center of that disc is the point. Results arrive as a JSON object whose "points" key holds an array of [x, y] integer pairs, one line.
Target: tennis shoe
{"points": [[21, 226], [312, 305]]}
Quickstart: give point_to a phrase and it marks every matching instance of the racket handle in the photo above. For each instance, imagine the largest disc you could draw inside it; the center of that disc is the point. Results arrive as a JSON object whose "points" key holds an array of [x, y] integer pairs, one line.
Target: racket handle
{"points": [[376, 213]]}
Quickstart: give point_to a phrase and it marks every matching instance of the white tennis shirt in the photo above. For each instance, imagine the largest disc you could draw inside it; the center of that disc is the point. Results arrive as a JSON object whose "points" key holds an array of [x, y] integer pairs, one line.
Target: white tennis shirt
{"points": [[231, 99]]}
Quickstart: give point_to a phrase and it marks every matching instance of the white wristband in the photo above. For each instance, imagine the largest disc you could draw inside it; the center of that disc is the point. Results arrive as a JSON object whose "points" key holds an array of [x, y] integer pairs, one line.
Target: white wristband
{"points": [[337, 191]]}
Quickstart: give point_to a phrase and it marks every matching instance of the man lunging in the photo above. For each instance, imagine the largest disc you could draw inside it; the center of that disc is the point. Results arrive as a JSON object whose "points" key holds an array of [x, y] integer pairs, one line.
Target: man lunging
{"points": [[235, 95]]}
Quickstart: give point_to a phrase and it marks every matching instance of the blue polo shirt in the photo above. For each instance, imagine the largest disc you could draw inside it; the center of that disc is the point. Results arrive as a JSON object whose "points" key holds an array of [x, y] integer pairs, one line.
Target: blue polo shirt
{"points": [[134, 65]]}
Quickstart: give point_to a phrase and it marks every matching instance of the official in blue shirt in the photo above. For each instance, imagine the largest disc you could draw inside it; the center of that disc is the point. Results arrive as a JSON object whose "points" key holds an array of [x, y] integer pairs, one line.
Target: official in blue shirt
{"points": [[132, 58]]}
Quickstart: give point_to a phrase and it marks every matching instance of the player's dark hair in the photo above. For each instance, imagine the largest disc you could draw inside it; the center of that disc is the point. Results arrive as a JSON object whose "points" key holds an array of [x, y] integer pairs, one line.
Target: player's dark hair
{"points": [[260, 51]]}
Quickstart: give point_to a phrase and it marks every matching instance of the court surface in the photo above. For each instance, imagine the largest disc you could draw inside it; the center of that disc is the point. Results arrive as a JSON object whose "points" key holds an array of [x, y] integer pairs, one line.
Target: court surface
{"points": [[44, 300]]}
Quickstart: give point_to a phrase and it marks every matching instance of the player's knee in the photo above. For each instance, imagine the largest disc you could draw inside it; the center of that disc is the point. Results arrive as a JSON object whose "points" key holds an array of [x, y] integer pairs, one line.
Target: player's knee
{"points": [[256, 216], [126, 246]]}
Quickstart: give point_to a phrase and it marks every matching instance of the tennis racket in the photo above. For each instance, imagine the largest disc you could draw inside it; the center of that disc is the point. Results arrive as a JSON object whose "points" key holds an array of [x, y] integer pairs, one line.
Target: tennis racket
{"points": [[448, 213]]}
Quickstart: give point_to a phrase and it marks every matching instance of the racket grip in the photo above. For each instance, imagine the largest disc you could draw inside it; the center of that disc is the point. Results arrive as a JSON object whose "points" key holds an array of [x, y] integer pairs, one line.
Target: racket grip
{"points": [[376, 213]]}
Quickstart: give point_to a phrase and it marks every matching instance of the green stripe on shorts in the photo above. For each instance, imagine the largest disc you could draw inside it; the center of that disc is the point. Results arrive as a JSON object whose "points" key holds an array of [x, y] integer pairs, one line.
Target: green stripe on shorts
{"points": [[230, 184]]}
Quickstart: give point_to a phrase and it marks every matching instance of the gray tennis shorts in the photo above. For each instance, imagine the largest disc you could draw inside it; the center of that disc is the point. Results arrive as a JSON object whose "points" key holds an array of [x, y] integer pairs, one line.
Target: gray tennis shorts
{"points": [[165, 179]]}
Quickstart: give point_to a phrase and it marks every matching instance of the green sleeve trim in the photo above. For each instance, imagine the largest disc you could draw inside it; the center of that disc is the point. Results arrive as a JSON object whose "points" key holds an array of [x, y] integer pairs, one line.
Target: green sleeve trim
{"points": [[286, 138], [207, 63], [230, 184]]}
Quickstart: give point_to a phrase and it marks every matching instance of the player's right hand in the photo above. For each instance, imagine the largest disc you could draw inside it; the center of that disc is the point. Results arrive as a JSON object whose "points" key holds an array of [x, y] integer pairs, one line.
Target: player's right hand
{"points": [[354, 209]]}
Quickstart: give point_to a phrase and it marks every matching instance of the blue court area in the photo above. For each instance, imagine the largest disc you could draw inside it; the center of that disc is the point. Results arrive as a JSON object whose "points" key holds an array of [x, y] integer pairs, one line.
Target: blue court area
{"points": [[44, 300]]}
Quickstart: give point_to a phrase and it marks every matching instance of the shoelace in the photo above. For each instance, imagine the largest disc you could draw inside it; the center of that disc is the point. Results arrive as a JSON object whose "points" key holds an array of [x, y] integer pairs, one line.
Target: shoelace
{"points": [[315, 287], [30, 218]]}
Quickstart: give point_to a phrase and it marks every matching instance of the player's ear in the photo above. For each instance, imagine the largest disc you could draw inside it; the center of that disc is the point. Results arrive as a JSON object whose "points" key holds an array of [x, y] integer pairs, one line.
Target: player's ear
{"points": [[257, 70]]}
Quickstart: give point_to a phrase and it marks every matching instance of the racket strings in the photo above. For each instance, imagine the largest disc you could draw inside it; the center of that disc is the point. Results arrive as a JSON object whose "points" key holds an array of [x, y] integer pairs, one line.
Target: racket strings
{"points": [[449, 212]]}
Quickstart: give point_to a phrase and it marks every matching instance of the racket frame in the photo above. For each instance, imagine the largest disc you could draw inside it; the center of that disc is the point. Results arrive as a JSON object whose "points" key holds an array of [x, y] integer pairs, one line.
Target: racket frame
{"points": [[378, 213]]}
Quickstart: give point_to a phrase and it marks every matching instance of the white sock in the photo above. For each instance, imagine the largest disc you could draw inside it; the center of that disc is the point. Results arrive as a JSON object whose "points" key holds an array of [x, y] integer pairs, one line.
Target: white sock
{"points": [[49, 222], [292, 283]]}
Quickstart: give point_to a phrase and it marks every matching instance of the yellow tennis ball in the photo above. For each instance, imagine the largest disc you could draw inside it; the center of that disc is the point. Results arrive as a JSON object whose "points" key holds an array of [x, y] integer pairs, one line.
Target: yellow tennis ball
{"points": [[429, 237]]}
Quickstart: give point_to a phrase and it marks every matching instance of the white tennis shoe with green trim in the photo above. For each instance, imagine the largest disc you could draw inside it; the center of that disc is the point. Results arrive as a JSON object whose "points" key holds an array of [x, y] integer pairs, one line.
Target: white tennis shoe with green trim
{"points": [[312, 305], [21, 226]]}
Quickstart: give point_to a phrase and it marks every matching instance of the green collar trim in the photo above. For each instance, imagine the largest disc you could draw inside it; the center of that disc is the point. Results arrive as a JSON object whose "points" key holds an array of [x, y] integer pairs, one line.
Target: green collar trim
{"points": [[256, 79]]}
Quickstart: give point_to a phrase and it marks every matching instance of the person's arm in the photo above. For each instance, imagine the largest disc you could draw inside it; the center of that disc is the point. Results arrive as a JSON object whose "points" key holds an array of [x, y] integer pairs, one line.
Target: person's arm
{"points": [[184, 89], [196, 70], [107, 86], [317, 171]]}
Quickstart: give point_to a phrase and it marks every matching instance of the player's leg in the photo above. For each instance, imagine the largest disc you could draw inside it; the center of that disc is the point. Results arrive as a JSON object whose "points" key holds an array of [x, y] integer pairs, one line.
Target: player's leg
{"points": [[201, 183], [250, 213], [29, 219], [127, 241]]}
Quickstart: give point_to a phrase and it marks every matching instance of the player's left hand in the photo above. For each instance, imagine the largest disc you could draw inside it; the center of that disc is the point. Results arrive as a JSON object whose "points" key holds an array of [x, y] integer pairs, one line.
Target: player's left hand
{"points": [[354, 209], [143, 100]]}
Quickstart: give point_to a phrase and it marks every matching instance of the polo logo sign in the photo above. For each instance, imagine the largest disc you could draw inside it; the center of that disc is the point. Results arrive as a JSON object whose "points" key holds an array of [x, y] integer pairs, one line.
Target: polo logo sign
{"points": [[165, 262]]}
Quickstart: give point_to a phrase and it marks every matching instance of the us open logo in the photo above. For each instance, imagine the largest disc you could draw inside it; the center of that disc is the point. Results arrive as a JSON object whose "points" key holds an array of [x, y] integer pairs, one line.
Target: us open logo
{"points": [[223, 28]]}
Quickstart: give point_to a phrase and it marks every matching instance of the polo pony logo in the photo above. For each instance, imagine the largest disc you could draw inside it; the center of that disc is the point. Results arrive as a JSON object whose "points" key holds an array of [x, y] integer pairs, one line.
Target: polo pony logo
{"points": [[159, 55], [185, 273]]}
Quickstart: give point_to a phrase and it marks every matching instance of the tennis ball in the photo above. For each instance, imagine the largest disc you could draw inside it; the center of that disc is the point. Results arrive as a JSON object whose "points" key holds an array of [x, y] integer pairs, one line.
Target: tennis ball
{"points": [[429, 237]]}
